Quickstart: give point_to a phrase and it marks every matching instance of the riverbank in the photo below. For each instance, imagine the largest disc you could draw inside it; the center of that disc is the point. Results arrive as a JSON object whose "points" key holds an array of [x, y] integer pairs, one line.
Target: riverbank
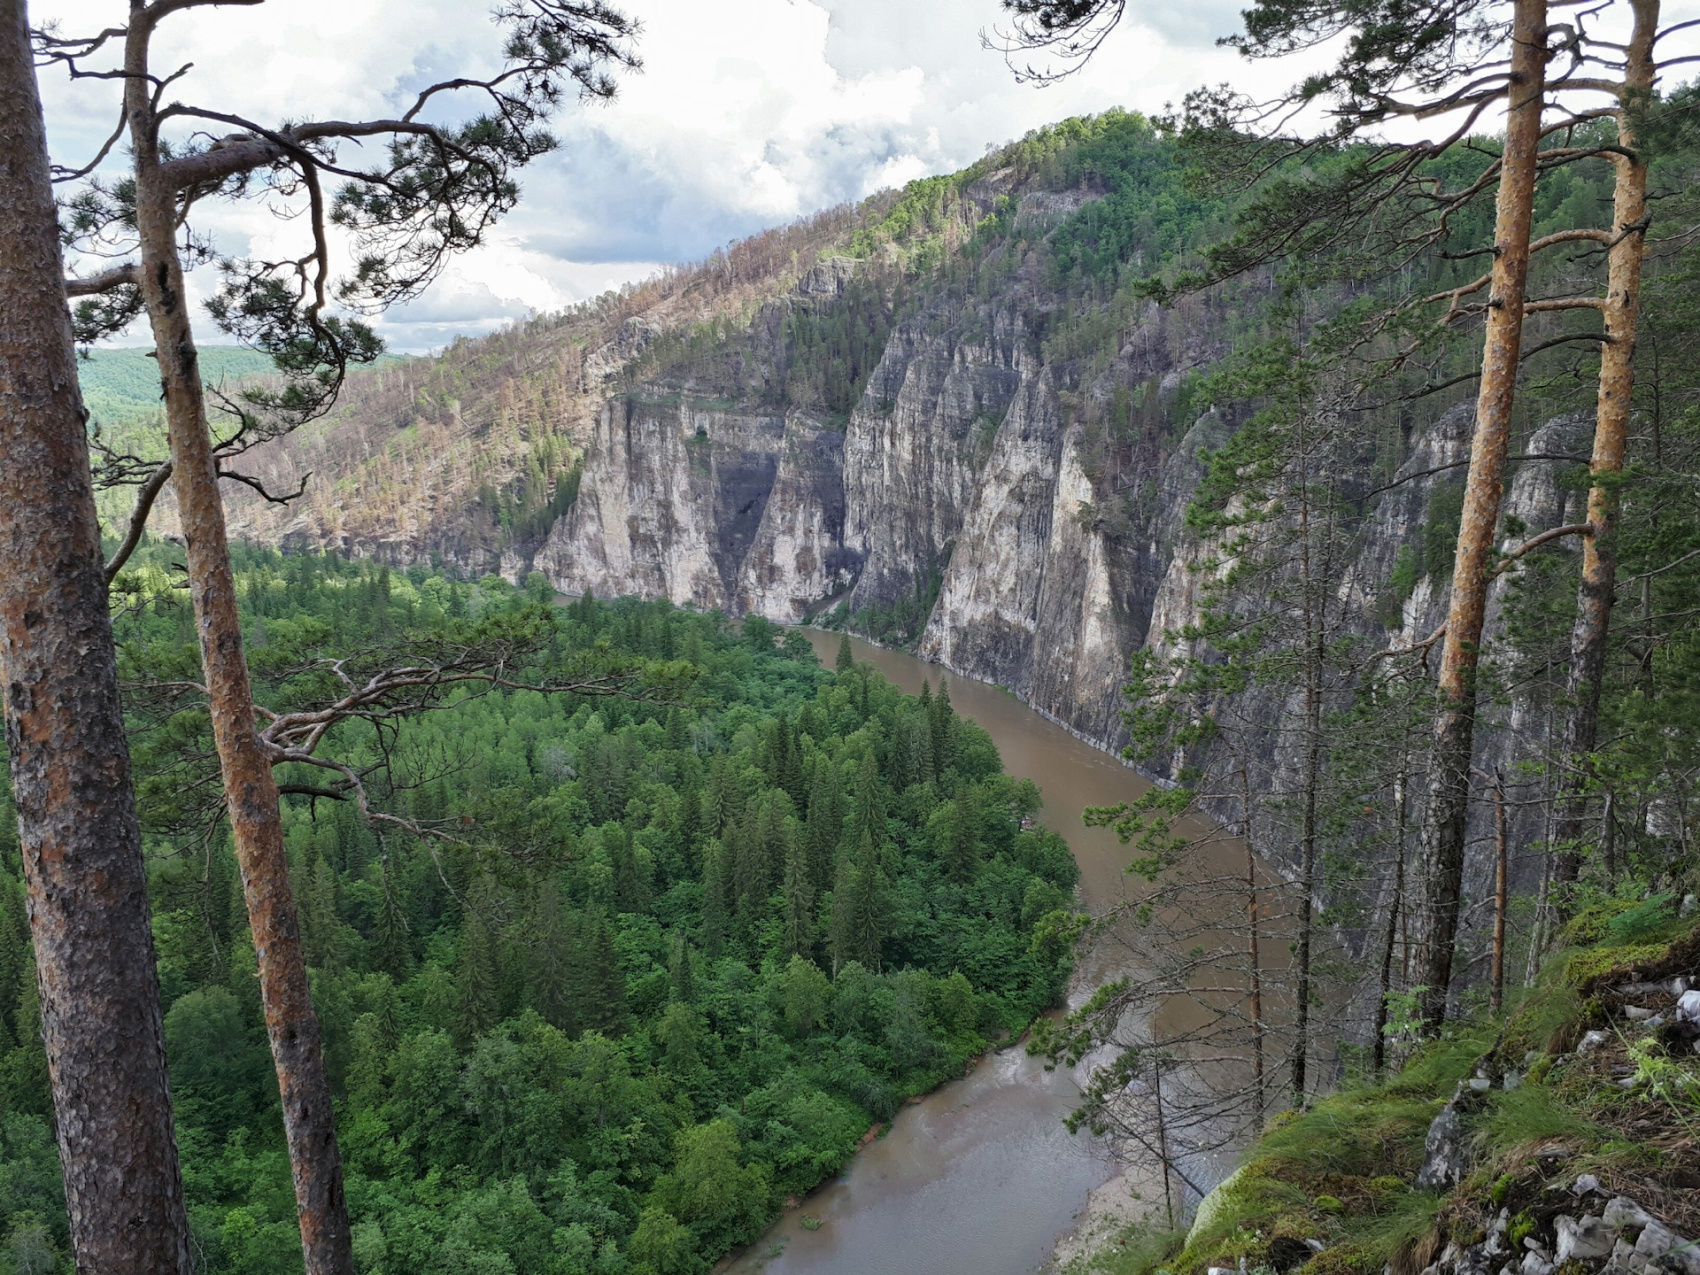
{"points": [[981, 1177]]}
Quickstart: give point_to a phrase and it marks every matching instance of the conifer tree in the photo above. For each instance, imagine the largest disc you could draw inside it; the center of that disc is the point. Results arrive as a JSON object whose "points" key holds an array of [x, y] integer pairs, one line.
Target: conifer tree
{"points": [[100, 1033], [799, 900], [867, 819], [477, 994], [942, 721], [846, 657], [750, 868], [1625, 242], [394, 954], [717, 890], [955, 840], [681, 970], [825, 824], [604, 984], [551, 964], [628, 886]]}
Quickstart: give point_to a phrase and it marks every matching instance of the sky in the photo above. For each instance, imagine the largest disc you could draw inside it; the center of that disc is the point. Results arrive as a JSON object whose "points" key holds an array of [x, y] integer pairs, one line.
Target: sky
{"points": [[747, 113]]}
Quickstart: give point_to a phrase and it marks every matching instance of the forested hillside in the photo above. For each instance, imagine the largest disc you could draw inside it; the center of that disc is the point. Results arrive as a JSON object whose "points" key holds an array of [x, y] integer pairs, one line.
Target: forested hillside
{"points": [[121, 383], [633, 969]]}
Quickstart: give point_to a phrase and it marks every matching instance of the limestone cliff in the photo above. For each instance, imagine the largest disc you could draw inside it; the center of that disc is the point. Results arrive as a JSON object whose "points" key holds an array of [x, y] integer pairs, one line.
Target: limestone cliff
{"points": [[915, 417]]}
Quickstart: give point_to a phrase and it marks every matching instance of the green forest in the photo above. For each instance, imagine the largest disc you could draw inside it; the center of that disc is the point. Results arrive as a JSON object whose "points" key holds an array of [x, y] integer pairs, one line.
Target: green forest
{"points": [[661, 961]]}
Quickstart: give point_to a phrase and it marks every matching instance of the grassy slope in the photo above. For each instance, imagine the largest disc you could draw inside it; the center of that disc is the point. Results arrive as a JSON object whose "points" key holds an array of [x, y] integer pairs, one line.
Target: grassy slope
{"points": [[1342, 1173]]}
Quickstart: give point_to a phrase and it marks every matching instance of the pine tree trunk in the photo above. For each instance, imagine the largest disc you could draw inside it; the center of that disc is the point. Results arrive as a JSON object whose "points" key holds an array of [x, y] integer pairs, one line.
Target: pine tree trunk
{"points": [[250, 790], [82, 846], [1439, 870], [1611, 435]]}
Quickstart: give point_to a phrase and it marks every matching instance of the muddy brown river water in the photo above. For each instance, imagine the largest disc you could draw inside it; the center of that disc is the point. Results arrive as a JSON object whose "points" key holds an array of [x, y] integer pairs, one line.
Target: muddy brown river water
{"points": [[979, 1177]]}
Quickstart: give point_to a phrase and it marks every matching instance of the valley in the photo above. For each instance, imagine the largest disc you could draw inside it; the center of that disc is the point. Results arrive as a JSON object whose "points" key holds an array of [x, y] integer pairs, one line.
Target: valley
{"points": [[747, 682]]}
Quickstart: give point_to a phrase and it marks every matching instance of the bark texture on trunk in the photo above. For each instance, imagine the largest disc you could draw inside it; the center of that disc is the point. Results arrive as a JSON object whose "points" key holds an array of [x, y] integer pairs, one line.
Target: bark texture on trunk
{"points": [[250, 789], [1611, 436], [1438, 879], [82, 847]]}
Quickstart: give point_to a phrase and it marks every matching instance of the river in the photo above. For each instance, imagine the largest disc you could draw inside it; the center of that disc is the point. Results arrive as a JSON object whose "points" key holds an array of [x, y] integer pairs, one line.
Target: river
{"points": [[979, 1177]]}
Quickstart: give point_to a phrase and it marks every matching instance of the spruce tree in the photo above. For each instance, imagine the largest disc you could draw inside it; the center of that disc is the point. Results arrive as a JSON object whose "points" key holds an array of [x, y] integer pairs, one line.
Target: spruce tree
{"points": [[394, 953], [717, 887], [750, 869], [477, 995], [825, 824], [605, 985], [955, 838], [681, 970], [552, 960], [799, 900], [942, 721]]}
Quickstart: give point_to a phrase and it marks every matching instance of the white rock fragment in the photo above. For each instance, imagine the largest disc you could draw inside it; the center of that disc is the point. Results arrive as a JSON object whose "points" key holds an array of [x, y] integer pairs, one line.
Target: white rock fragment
{"points": [[1592, 1041], [1624, 1259], [1688, 1007], [1587, 1184], [1624, 1214], [1656, 1240], [1581, 1238]]}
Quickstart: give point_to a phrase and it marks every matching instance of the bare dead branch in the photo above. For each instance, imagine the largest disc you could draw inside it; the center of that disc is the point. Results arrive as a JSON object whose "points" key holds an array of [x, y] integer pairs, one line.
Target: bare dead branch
{"points": [[145, 499]]}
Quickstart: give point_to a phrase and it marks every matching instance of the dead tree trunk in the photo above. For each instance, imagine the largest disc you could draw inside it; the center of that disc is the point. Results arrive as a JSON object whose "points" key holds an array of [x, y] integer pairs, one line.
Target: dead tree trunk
{"points": [[1395, 914], [250, 790], [82, 847], [1254, 955], [1439, 870], [1611, 435], [1314, 653], [1501, 889]]}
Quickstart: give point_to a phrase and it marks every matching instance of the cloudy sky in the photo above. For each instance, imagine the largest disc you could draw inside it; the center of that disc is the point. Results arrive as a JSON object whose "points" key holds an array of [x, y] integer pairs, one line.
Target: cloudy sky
{"points": [[747, 113]]}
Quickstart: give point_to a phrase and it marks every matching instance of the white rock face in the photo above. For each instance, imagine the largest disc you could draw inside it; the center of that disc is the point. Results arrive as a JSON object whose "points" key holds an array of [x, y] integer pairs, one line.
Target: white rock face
{"points": [[913, 452], [973, 466], [797, 556], [988, 607], [668, 505]]}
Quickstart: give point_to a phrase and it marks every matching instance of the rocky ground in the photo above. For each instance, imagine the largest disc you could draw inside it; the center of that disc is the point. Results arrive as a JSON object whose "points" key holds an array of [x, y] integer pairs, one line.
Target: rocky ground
{"points": [[1563, 1139]]}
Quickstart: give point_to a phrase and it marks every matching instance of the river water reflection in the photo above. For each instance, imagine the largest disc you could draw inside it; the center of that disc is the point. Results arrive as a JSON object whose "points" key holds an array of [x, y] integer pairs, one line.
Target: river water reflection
{"points": [[979, 1177]]}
